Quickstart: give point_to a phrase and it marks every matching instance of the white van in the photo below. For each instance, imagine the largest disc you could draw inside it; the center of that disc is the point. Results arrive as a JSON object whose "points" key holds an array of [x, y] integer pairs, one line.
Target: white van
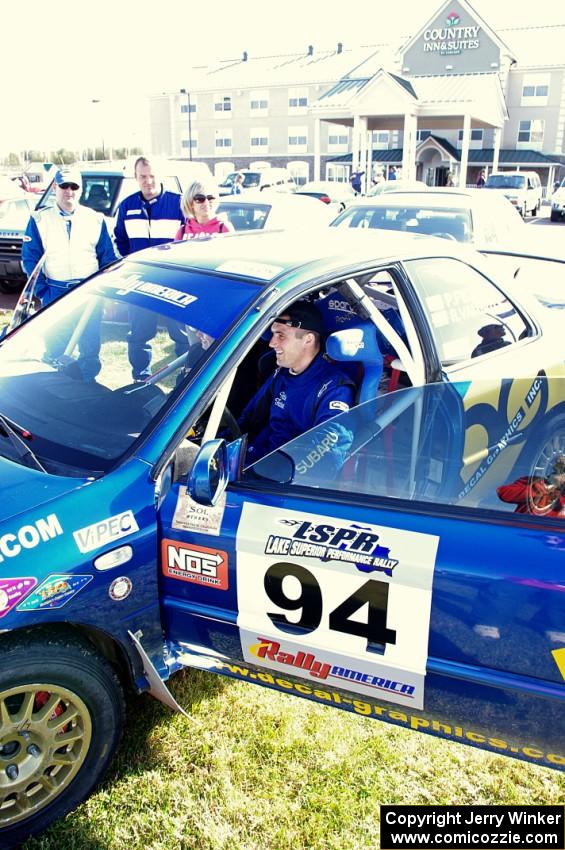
{"points": [[274, 179], [522, 188]]}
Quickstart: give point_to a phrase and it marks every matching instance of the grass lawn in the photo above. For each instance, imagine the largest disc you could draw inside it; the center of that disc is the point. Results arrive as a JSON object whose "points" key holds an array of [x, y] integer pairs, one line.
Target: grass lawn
{"points": [[252, 769]]}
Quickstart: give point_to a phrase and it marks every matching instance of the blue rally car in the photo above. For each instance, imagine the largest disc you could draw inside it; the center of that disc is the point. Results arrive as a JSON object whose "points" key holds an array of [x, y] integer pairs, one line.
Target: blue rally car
{"points": [[414, 576]]}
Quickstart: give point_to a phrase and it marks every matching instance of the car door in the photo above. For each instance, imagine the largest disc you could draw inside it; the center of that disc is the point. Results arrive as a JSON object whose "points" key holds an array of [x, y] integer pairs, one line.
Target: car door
{"points": [[388, 590]]}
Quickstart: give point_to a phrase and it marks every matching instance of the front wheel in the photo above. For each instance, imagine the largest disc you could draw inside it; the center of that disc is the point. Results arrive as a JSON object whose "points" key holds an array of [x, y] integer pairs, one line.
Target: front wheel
{"points": [[61, 715]]}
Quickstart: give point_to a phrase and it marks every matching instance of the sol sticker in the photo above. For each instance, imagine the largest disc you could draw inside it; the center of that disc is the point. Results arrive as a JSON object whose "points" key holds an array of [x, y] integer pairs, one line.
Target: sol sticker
{"points": [[197, 564], [54, 592], [120, 588], [12, 590], [190, 516], [336, 600]]}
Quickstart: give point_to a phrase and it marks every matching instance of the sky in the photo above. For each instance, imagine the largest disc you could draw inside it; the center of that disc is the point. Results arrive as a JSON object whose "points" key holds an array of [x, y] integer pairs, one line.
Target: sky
{"points": [[58, 56]]}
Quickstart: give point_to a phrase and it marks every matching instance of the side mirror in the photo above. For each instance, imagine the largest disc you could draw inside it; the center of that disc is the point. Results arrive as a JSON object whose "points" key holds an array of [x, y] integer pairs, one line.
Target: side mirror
{"points": [[209, 476]]}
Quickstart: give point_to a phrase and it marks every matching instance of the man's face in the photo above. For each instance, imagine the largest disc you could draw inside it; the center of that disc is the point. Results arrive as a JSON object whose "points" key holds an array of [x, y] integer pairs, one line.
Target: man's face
{"points": [[293, 347], [148, 183], [67, 196]]}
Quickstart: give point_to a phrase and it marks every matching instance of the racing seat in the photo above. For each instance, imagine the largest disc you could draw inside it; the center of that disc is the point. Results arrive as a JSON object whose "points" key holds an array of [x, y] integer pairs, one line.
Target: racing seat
{"points": [[98, 197], [358, 344]]}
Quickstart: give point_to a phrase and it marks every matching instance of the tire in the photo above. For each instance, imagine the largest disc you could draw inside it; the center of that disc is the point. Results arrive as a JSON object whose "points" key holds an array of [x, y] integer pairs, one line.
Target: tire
{"points": [[44, 675], [550, 444], [554, 216], [535, 210], [9, 285]]}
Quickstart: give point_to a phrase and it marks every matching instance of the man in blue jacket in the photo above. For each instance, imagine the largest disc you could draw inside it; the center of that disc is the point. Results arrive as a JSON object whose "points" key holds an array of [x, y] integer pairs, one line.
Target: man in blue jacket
{"points": [[305, 391], [147, 218]]}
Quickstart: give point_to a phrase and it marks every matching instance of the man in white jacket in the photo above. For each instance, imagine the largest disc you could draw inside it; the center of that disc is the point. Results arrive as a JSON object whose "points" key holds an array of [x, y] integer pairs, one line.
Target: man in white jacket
{"points": [[73, 240]]}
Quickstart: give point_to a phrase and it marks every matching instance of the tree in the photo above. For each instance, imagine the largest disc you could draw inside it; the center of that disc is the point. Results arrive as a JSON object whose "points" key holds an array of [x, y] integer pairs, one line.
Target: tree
{"points": [[12, 160], [63, 156]]}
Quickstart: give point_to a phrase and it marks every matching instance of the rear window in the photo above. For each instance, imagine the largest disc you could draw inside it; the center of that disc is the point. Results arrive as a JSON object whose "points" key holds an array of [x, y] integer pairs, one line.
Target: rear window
{"points": [[449, 223], [505, 181]]}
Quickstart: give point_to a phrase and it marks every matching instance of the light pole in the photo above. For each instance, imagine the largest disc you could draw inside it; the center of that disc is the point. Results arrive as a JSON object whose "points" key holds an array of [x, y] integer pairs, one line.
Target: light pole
{"points": [[103, 152], [187, 93]]}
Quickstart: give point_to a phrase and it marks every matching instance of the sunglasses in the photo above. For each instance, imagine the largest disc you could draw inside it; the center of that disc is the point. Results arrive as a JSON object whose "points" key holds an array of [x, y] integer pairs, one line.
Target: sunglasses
{"points": [[68, 186], [200, 199]]}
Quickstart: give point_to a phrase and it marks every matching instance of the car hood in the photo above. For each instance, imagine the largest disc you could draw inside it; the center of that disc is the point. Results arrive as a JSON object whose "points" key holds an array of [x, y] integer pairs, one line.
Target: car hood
{"points": [[26, 489]]}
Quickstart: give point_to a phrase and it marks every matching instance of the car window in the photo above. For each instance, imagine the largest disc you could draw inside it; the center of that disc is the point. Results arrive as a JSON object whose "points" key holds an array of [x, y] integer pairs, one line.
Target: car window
{"points": [[246, 216], [469, 316], [440, 444], [540, 277], [99, 192], [449, 223]]}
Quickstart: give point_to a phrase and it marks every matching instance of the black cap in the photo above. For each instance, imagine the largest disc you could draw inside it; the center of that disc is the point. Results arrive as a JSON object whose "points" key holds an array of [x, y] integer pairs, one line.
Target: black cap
{"points": [[303, 315]]}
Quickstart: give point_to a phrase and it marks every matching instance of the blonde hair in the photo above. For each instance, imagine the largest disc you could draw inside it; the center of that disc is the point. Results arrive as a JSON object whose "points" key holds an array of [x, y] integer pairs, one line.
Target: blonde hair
{"points": [[196, 188]]}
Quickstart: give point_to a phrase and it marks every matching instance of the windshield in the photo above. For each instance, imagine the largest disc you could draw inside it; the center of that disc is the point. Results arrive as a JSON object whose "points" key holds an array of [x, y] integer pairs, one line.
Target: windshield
{"points": [[84, 379], [14, 214], [505, 181], [449, 223], [251, 179]]}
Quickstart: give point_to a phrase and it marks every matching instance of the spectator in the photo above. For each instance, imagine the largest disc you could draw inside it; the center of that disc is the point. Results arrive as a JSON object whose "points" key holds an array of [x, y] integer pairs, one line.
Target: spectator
{"points": [[355, 180], [237, 185], [199, 202], [147, 218], [392, 173], [481, 179], [449, 182], [72, 240], [304, 391]]}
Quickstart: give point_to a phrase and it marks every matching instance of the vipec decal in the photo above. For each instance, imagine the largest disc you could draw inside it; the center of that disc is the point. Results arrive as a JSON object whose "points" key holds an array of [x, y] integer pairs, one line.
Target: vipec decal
{"points": [[12, 591], [196, 564], [29, 536], [105, 531], [354, 543], [54, 592]]}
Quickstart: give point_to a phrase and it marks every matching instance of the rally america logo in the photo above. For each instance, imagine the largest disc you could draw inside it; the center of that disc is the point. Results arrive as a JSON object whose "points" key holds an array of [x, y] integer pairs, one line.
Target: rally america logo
{"points": [[356, 544]]}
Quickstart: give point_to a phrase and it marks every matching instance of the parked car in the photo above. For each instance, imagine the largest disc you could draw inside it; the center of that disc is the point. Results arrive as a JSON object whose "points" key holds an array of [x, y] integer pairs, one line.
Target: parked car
{"points": [[272, 211], [15, 208], [558, 202], [335, 194], [396, 186], [136, 540], [464, 215], [522, 188], [275, 179]]}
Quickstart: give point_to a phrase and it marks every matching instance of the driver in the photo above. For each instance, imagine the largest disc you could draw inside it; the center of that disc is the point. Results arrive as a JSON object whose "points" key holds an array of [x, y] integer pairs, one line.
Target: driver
{"points": [[305, 390]]}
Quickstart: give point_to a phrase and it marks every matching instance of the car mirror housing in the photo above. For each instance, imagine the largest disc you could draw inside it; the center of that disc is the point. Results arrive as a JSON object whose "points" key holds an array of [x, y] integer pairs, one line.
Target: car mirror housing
{"points": [[209, 476]]}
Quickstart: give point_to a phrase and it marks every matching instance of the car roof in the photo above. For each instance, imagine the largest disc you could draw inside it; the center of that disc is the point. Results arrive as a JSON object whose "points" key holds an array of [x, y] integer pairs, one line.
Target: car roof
{"points": [[428, 198], [267, 255]]}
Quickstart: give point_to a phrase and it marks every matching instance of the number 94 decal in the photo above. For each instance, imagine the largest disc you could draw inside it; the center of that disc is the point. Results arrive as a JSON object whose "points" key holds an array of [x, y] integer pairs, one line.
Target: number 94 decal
{"points": [[319, 616]]}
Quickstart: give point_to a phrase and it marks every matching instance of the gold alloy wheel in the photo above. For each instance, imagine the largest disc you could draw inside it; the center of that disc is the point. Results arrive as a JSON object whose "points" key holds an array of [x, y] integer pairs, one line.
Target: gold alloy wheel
{"points": [[45, 734]]}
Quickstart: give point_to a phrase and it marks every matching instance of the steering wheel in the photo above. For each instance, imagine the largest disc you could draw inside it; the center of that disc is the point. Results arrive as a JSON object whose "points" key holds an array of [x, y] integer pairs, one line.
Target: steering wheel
{"points": [[228, 428]]}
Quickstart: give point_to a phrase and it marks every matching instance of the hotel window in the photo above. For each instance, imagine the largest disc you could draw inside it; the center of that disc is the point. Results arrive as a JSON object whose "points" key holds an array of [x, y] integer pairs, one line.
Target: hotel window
{"points": [[184, 107], [223, 141], [338, 142], [259, 140], [222, 105], [297, 100], [530, 133], [337, 173], [259, 103], [297, 139], [380, 140], [476, 136], [422, 135], [535, 90], [193, 142]]}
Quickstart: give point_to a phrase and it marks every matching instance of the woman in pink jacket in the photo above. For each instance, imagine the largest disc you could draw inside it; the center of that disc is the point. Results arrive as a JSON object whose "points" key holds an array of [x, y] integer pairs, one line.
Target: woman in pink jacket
{"points": [[199, 202]]}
